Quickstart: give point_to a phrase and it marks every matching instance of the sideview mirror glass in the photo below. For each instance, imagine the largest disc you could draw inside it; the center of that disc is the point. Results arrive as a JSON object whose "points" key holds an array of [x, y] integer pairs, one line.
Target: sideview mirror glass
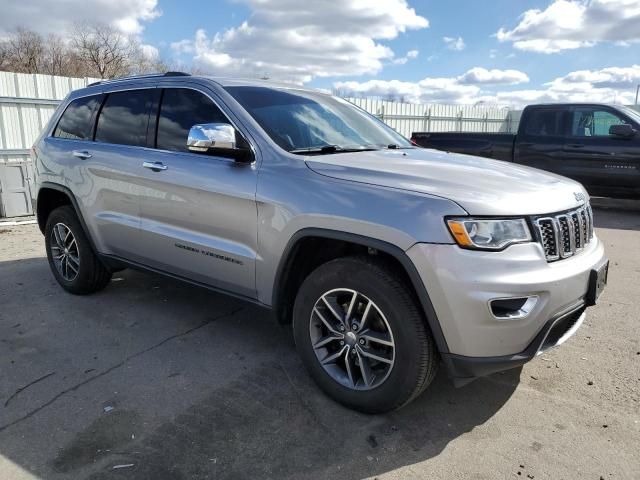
{"points": [[625, 130], [205, 136]]}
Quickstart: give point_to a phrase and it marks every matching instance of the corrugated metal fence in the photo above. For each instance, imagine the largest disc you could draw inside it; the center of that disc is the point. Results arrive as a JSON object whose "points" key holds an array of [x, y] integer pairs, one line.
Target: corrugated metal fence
{"points": [[407, 118], [26, 104]]}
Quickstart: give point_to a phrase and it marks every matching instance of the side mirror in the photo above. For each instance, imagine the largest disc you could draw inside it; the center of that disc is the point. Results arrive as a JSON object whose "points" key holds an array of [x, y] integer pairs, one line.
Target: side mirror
{"points": [[217, 138], [624, 131]]}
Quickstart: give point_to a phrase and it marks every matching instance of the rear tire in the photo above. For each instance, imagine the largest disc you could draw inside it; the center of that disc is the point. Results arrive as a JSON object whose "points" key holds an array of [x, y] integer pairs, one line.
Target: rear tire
{"points": [[72, 260], [331, 317]]}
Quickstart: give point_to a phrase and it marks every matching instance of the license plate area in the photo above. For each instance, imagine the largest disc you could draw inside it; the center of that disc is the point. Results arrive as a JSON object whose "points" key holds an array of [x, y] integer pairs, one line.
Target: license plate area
{"points": [[597, 282]]}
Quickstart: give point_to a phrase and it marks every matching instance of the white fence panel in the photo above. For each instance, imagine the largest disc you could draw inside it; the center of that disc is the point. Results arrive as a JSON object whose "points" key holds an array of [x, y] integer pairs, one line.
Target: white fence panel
{"points": [[407, 118], [26, 105]]}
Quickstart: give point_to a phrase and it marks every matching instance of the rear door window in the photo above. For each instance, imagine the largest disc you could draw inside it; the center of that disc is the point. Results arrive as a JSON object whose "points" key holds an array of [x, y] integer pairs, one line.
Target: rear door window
{"points": [[545, 122], [124, 117], [75, 122], [180, 110]]}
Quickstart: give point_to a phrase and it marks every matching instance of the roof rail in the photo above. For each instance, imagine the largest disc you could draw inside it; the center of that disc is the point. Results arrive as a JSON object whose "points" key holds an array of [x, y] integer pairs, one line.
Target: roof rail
{"points": [[135, 77]]}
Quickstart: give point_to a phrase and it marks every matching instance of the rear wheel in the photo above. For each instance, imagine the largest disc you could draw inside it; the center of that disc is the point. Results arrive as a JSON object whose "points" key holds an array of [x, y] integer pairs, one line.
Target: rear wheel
{"points": [[72, 261], [361, 335]]}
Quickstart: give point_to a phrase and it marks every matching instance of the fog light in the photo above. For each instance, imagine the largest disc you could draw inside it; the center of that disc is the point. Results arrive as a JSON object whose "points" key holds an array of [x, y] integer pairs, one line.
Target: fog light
{"points": [[512, 308]]}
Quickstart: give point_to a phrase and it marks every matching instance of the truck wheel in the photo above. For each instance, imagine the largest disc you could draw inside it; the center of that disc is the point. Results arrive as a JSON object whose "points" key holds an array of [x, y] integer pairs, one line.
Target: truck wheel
{"points": [[71, 258], [362, 336]]}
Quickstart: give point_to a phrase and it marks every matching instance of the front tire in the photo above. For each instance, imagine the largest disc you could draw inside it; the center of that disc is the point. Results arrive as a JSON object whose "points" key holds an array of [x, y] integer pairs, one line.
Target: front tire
{"points": [[73, 262], [361, 335]]}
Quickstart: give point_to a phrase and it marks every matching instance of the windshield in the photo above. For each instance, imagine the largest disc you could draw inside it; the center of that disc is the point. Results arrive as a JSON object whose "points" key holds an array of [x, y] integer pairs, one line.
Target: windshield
{"points": [[634, 114], [305, 122]]}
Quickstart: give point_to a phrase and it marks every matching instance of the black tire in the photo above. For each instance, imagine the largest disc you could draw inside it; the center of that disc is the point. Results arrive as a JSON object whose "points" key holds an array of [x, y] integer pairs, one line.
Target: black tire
{"points": [[416, 357], [91, 275]]}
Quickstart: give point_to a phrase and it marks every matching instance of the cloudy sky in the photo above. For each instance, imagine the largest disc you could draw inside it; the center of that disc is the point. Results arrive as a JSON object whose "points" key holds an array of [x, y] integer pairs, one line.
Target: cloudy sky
{"points": [[458, 51]]}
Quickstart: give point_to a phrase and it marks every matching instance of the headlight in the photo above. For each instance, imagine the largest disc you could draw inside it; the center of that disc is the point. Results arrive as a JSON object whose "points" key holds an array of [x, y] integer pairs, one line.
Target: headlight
{"points": [[488, 234]]}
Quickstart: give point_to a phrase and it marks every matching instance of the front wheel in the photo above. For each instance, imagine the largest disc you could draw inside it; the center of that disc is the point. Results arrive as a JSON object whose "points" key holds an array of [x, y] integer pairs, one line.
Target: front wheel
{"points": [[361, 335]]}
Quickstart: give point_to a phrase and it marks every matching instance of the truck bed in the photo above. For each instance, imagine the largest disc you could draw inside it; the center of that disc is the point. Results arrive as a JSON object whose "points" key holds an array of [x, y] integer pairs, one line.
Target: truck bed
{"points": [[490, 145]]}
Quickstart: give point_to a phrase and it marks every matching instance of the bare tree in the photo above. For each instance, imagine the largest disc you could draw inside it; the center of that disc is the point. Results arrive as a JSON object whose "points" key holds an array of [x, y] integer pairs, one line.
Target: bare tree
{"points": [[4, 55], [106, 52], [92, 50], [57, 57], [25, 51]]}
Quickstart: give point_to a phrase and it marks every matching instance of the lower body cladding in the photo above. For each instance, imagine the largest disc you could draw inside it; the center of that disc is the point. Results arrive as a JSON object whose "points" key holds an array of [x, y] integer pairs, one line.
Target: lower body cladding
{"points": [[498, 310]]}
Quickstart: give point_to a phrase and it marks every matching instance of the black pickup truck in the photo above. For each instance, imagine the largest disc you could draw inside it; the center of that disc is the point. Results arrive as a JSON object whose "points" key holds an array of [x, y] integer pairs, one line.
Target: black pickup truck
{"points": [[596, 144]]}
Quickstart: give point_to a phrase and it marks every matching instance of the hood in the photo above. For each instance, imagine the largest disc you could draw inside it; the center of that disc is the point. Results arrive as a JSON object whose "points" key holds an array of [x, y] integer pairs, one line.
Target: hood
{"points": [[479, 185]]}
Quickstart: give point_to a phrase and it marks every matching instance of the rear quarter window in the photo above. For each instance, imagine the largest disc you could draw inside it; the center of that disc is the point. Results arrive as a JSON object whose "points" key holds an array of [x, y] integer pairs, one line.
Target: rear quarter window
{"points": [[75, 122]]}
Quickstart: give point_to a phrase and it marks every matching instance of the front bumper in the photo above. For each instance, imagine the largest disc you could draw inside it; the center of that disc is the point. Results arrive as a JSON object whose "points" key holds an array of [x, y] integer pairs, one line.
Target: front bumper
{"points": [[461, 283], [556, 331]]}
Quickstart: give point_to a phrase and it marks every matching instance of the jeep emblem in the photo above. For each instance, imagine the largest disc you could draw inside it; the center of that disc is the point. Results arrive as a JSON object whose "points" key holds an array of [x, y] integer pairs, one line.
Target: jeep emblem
{"points": [[579, 196]]}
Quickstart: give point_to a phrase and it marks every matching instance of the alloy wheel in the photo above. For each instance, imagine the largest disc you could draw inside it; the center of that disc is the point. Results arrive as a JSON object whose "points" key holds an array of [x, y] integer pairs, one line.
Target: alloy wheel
{"points": [[352, 339], [65, 253]]}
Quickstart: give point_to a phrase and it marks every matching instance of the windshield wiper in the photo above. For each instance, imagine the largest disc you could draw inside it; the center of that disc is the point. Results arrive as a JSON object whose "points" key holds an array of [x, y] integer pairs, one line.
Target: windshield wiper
{"points": [[395, 146], [326, 149]]}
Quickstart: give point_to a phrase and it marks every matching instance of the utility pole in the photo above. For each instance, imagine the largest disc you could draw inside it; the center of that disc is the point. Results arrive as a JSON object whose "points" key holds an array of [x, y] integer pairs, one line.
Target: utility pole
{"points": [[637, 92]]}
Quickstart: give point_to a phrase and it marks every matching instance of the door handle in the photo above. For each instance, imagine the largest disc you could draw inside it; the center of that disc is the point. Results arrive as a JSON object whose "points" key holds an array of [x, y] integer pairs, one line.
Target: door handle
{"points": [[576, 145], [155, 166], [81, 154]]}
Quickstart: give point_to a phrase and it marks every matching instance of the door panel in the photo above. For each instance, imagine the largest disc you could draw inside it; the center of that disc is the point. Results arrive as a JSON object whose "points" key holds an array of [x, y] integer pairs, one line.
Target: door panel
{"points": [[541, 143], [109, 183], [15, 193], [598, 160], [198, 211], [104, 175], [199, 219]]}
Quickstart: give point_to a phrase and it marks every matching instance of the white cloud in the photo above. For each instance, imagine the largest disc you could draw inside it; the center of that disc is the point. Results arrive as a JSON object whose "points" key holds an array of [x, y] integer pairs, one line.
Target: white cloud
{"points": [[324, 39], [46, 17], [465, 88], [461, 89], [411, 54], [613, 85], [482, 76], [149, 51], [455, 44], [611, 77], [572, 24], [427, 90]]}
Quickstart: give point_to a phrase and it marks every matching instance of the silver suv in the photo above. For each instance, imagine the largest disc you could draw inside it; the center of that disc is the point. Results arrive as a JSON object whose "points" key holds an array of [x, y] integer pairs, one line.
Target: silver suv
{"points": [[388, 259]]}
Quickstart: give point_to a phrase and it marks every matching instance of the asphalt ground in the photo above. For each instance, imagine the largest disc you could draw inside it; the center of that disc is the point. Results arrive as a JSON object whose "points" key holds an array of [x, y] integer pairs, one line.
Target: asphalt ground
{"points": [[155, 379]]}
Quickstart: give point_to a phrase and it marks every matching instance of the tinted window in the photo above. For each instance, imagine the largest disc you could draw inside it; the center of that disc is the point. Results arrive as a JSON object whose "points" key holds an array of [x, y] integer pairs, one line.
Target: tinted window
{"points": [[123, 118], [75, 122], [545, 122], [180, 110], [592, 122], [299, 120]]}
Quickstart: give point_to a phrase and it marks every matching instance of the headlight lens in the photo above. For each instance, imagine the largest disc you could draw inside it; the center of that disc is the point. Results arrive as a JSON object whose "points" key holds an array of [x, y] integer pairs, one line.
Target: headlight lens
{"points": [[488, 234]]}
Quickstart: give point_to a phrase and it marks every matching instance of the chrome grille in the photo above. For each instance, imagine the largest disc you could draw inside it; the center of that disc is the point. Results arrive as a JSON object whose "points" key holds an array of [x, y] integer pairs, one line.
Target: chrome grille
{"points": [[564, 234]]}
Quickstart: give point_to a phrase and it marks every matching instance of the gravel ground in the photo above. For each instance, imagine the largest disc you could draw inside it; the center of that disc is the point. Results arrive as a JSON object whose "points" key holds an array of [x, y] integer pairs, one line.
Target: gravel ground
{"points": [[154, 379]]}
